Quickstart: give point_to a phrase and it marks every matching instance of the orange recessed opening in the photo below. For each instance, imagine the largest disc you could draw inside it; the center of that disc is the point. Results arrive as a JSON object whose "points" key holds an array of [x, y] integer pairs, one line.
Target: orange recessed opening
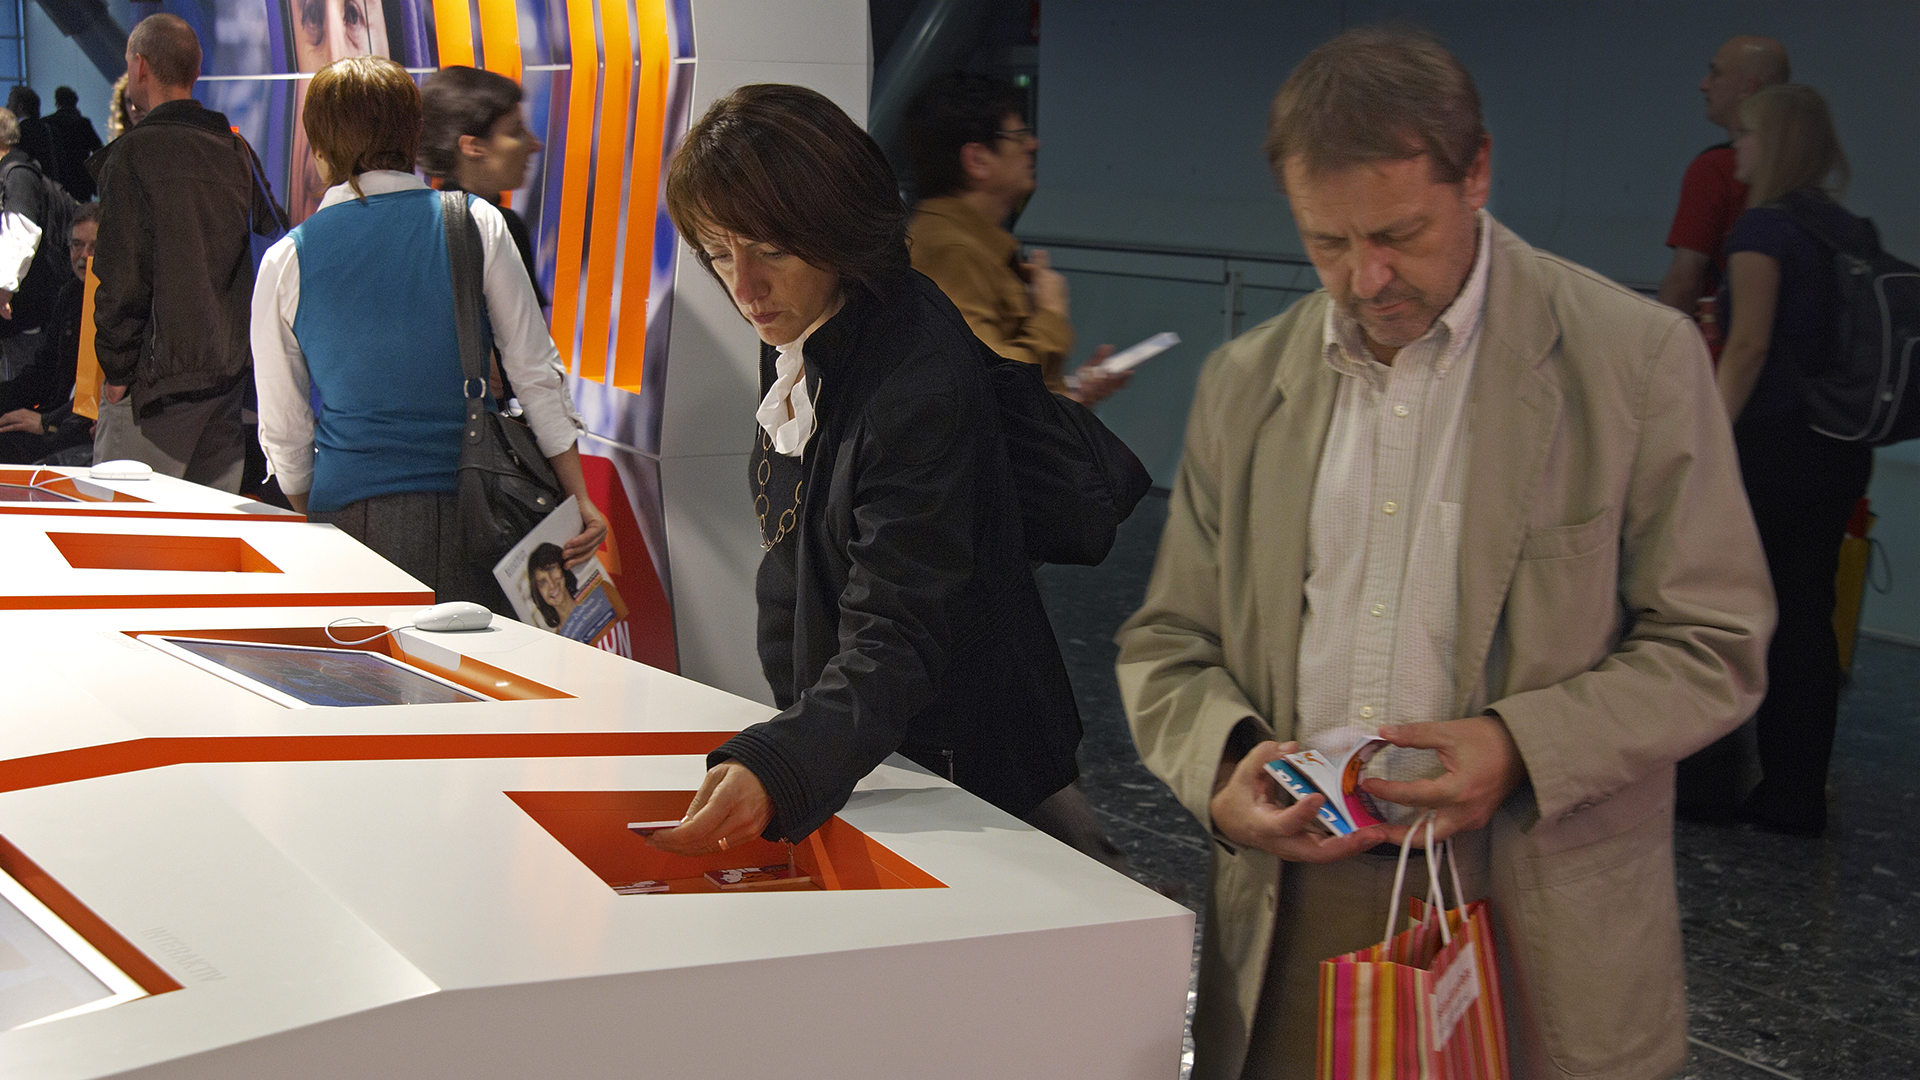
{"points": [[497, 683], [123, 551], [593, 826]]}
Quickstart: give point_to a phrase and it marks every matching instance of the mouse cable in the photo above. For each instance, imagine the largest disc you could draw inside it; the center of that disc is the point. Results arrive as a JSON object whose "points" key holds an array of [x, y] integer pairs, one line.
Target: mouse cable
{"points": [[364, 640]]}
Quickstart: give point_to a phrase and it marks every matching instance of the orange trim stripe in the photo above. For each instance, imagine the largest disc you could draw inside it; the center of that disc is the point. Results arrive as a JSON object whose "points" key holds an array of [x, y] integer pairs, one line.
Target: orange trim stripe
{"points": [[84, 922], [186, 600], [453, 29], [116, 510], [575, 175], [136, 755]]}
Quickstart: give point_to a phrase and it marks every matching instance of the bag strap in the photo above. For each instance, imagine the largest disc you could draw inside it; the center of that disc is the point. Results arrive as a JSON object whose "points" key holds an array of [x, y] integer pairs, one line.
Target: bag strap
{"points": [[260, 188], [1434, 893], [1796, 212], [469, 301]]}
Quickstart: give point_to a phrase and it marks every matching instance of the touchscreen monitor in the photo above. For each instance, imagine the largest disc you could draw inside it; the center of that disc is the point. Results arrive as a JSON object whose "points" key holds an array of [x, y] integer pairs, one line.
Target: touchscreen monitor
{"points": [[25, 493], [47, 971], [308, 676]]}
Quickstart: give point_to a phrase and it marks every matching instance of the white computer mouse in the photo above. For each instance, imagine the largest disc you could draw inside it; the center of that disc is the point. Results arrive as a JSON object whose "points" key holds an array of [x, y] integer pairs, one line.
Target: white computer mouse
{"points": [[459, 615], [123, 469]]}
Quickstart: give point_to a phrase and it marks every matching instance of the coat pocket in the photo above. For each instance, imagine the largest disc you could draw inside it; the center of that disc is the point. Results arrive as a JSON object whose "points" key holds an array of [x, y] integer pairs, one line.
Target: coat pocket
{"points": [[1571, 541], [1600, 937], [1564, 601]]}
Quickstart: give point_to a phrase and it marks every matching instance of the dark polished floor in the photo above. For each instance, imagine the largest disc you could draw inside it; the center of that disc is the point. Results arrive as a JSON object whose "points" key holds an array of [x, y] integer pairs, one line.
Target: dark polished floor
{"points": [[1803, 956]]}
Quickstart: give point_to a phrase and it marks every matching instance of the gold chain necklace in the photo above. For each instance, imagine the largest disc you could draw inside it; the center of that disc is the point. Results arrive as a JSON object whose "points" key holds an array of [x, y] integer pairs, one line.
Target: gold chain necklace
{"points": [[762, 474]]}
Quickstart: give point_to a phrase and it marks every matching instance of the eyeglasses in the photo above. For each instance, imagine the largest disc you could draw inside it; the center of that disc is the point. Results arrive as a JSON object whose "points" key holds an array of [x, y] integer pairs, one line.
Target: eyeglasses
{"points": [[1020, 135]]}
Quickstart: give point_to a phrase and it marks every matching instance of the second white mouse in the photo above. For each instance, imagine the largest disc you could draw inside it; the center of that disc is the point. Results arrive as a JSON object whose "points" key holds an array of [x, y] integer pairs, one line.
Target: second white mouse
{"points": [[459, 615]]}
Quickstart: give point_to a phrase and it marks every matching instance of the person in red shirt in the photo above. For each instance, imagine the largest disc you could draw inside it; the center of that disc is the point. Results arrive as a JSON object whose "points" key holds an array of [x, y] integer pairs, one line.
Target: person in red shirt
{"points": [[1710, 198]]}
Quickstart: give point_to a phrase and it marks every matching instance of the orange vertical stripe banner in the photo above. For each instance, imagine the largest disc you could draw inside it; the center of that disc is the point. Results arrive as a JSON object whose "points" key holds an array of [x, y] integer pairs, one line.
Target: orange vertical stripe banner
{"points": [[643, 197], [603, 254], [570, 248], [453, 32], [500, 37]]}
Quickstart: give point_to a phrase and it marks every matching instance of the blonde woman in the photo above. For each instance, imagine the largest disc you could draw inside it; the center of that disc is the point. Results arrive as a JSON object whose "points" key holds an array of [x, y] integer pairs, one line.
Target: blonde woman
{"points": [[1784, 308]]}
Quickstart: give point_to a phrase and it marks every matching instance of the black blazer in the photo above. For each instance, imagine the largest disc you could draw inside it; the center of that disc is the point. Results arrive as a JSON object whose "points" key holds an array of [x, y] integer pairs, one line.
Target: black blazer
{"points": [[901, 613]]}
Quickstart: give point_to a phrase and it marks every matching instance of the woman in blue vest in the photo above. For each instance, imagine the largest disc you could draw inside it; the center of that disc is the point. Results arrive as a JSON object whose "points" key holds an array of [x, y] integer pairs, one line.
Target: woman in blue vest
{"points": [[355, 351], [1784, 321]]}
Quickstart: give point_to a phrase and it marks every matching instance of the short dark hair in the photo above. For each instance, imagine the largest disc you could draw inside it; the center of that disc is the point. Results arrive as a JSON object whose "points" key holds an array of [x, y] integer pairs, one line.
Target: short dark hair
{"points": [[65, 98], [952, 111], [170, 46], [85, 212], [1377, 93], [363, 113], [783, 165], [458, 101], [23, 103]]}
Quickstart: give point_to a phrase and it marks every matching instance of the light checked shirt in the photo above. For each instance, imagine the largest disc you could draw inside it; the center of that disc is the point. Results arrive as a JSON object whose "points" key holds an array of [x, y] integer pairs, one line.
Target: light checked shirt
{"points": [[1383, 535]]}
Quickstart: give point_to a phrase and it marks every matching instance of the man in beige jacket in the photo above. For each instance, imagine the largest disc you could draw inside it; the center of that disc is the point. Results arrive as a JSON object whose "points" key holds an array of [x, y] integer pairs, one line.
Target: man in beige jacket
{"points": [[1485, 503]]}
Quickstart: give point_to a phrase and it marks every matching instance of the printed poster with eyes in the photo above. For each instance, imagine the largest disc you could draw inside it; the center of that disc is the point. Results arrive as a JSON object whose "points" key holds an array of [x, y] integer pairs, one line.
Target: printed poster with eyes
{"points": [[578, 602]]}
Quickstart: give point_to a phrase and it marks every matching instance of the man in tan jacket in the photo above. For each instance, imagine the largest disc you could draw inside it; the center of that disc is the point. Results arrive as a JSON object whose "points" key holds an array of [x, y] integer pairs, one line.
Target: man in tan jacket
{"points": [[973, 166], [1484, 503]]}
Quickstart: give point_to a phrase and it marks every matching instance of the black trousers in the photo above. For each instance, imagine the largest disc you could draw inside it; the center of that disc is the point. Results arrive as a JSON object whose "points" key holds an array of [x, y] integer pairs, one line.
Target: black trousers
{"points": [[419, 531], [1803, 487]]}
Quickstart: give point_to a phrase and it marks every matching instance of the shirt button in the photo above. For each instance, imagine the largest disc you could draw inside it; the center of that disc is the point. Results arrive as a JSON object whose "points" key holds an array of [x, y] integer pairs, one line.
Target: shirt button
{"points": [[1401, 410], [1366, 712], [1391, 508], [1378, 610]]}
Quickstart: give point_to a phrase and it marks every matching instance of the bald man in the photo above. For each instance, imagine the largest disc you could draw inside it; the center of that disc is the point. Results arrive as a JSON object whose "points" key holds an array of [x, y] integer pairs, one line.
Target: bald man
{"points": [[1710, 198]]}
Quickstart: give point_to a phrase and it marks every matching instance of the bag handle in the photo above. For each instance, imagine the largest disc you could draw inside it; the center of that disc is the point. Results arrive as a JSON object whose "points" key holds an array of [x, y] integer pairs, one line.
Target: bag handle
{"points": [[1433, 880], [469, 302]]}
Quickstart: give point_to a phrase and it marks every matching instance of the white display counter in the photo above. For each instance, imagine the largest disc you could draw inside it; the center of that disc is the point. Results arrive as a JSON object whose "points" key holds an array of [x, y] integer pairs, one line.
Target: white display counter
{"points": [[67, 490], [425, 890], [69, 560]]}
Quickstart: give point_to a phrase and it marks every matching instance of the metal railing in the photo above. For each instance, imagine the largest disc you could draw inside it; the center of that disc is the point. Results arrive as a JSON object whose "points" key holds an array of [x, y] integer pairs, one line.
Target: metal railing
{"points": [[1232, 281]]}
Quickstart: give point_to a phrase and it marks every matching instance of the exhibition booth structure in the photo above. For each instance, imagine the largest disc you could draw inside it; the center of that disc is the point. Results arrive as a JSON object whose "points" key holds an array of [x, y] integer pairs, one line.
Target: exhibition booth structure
{"points": [[284, 831]]}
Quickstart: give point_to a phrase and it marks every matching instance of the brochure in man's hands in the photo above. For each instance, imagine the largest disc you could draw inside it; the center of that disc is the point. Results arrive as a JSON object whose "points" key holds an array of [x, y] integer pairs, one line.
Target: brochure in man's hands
{"points": [[1309, 772]]}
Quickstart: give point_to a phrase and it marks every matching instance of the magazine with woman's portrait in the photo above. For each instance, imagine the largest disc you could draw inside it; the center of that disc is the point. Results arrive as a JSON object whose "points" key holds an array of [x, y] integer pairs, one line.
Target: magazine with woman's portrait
{"points": [[577, 602]]}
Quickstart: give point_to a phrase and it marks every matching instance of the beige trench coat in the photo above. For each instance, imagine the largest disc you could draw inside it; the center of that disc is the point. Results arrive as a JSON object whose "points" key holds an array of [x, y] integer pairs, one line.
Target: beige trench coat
{"points": [[1614, 609]]}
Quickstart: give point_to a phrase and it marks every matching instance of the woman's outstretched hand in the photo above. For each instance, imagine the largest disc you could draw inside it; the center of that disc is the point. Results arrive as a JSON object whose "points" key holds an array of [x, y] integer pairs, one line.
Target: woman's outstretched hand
{"points": [[730, 809]]}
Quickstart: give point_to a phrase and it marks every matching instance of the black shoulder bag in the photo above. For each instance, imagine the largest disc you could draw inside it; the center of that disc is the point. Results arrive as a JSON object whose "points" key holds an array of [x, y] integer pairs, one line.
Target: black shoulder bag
{"points": [[1076, 480], [506, 485]]}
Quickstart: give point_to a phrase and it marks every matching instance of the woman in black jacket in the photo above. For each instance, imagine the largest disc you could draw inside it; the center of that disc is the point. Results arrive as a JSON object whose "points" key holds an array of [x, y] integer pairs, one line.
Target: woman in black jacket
{"points": [[897, 609]]}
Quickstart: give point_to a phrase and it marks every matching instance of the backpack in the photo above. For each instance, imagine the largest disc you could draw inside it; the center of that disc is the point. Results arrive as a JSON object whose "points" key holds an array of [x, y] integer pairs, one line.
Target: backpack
{"points": [[1868, 390], [1075, 479], [52, 262]]}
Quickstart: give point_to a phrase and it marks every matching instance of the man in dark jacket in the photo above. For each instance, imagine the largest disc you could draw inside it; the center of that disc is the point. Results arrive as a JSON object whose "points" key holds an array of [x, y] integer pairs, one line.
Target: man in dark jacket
{"points": [[24, 104], [74, 140], [37, 421], [177, 194], [31, 271]]}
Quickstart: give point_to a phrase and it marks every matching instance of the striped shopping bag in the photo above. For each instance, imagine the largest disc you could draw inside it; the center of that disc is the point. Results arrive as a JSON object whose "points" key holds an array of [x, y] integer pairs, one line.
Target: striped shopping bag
{"points": [[1424, 1003]]}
